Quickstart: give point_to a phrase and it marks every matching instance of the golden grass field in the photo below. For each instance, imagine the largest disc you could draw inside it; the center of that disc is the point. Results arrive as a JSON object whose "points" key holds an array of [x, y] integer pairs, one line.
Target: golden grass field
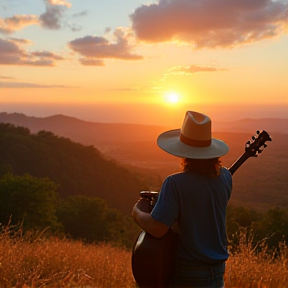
{"points": [[27, 263]]}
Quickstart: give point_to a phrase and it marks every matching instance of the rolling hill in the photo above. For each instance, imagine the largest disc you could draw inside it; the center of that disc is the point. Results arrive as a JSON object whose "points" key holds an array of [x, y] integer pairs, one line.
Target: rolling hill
{"points": [[77, 169], [260, 183]]}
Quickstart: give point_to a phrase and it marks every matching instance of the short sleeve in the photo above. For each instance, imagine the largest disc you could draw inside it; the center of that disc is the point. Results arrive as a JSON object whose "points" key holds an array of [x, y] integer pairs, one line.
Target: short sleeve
{"points": [[166, 208], [227, 177]]}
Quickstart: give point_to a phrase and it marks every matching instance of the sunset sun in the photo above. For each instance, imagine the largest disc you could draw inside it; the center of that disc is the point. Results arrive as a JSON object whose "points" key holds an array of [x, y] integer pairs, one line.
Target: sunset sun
{"points": [[172, 98]]}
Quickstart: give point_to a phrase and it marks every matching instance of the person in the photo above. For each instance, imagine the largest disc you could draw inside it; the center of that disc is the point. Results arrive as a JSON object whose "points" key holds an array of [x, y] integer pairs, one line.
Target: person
{"points": [[196, 198]]}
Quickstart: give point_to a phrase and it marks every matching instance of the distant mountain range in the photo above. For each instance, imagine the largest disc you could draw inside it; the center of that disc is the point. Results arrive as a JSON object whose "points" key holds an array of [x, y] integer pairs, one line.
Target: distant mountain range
{"points": [[89, 133], [92, 133], [271, 125], [261, 182]]}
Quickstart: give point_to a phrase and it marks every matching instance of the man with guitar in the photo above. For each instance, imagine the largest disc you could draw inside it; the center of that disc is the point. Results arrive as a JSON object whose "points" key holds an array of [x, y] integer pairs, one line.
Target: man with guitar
{"points": [[196, 199]]}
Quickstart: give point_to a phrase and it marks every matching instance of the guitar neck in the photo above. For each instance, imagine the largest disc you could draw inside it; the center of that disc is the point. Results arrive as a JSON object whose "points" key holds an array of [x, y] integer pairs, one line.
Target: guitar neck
{"points": [[238, 163], [252, 148]]}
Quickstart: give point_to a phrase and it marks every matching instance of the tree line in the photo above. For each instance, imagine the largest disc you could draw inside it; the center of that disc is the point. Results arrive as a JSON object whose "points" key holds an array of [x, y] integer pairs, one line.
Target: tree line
{"points": [[34, 203], [270, 227]]}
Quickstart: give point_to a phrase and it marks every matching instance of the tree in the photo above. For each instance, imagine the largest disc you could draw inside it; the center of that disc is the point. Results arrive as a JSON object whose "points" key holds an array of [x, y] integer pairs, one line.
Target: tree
{"points": [[274, 227], [83, 217], [240, 219], [90, 220], [238, 216], [28, 199]]}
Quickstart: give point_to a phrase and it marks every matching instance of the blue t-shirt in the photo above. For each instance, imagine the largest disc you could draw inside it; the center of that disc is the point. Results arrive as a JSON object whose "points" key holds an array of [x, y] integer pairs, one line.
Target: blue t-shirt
{"points": [[198, 203]]}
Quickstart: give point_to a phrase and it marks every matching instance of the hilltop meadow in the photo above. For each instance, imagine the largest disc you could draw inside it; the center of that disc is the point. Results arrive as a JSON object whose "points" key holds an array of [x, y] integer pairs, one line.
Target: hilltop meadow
{"points": [[65, 206], [32, 261]]}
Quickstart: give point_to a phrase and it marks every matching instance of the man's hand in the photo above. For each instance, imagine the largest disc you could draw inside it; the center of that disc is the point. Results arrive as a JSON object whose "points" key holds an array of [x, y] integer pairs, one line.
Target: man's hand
{"points": [[143, 205], [145, 221]]}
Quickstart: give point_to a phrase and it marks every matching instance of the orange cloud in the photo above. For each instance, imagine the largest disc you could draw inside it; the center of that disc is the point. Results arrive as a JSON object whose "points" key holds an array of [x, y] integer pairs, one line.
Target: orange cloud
{"points": [[210, 23], [59, 2], [17, 22], [180, 70], [11, 53], [94, 48], [91, 62], [46, 55], [29, 85], [50, 19]]}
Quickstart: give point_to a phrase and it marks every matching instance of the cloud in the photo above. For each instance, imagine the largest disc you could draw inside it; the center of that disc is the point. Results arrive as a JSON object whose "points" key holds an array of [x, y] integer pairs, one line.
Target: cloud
{"points": [[52, 17], [96, 47], [17, 22], [75, 27], [181, 70], [20, 41], [11, 53], [125, 89], [91, 62], [46, 55], [80, 14], [210, 23], [6, 77], [29, 85], [58, 3]]}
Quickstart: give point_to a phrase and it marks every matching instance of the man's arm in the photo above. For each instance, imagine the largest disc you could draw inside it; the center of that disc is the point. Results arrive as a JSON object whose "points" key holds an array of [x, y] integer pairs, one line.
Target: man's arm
{"points": [[145, 220]]}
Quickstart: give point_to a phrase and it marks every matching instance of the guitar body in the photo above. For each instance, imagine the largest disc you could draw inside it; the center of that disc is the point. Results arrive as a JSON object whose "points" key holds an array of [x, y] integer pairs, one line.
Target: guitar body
{"points": [[153, 259]]}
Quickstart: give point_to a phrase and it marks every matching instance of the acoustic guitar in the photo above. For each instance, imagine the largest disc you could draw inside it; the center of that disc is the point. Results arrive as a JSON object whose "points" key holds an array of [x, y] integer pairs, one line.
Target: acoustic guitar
{"points": [[153, 259]]}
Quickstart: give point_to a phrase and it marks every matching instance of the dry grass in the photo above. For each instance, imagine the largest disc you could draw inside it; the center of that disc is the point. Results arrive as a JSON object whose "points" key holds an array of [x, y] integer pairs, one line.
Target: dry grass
{"points": [[250, 269], [61, 263]]}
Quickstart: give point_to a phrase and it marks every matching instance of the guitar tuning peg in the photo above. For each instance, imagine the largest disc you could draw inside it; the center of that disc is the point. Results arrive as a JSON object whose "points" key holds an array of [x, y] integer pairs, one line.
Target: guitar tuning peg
{"points": [[261, 148], [259, 151], [265, 145], [258, 132], [253, 137]]}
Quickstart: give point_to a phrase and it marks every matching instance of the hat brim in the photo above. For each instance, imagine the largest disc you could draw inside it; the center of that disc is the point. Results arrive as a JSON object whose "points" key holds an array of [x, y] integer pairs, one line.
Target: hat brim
{"points": [[170, 142]]}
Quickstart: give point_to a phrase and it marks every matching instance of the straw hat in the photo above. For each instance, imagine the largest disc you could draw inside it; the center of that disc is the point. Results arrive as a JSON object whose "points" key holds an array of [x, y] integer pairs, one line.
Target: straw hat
{"points": [[193, 140]]}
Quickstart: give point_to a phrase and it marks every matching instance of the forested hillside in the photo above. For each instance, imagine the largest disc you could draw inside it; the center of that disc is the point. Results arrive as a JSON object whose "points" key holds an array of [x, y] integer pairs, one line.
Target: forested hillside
{"points": [[261, 183], [78, 169]]}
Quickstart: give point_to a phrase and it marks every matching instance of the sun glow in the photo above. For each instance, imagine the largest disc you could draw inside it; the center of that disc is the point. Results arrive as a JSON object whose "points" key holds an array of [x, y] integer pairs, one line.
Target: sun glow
{"points": [[172, 98]]}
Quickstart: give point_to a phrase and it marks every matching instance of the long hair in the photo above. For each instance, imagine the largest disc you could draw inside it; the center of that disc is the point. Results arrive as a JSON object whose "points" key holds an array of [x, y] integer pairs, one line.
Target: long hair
{"points": [[207, 167]]}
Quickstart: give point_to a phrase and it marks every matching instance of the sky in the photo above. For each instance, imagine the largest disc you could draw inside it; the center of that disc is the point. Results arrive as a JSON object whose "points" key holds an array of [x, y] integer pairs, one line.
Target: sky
{"points": [[146, 62]]}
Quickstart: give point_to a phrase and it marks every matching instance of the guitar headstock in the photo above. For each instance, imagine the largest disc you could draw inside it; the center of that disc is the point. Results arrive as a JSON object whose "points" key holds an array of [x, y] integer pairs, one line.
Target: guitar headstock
{"points": [[257, 143]]}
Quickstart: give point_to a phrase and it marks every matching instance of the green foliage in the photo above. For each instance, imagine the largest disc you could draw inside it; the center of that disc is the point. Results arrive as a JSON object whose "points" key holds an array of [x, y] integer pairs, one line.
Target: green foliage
{"points": [[84, 218], [78, 169], [90, 220], [28, 199], [34, 202], [238, 216], [271, 226]]}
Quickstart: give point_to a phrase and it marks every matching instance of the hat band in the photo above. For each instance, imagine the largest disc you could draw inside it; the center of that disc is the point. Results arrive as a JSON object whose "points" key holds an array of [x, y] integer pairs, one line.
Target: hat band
{"points": [[193, 142]]}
